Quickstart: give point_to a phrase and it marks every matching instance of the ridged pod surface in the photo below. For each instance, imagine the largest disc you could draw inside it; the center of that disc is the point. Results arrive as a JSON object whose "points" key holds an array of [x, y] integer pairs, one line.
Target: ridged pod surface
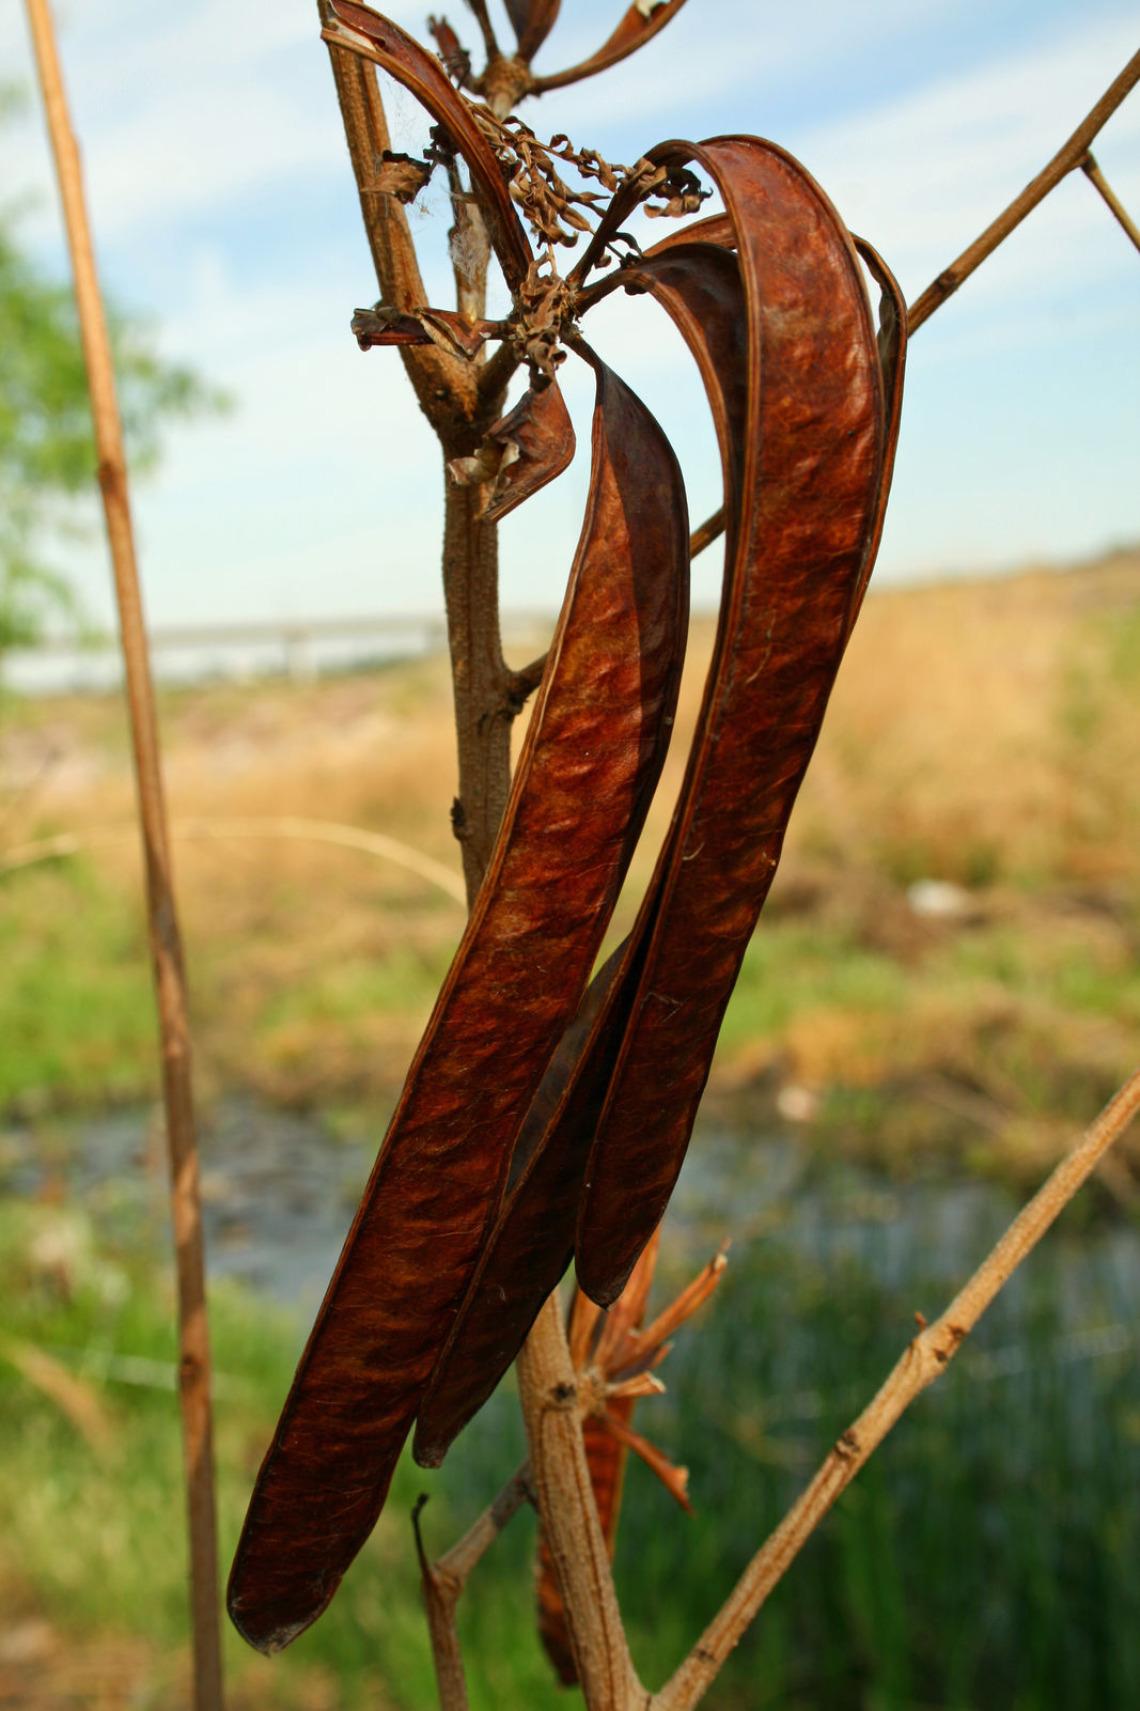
{"points": [[584, 780], [773, 307]]}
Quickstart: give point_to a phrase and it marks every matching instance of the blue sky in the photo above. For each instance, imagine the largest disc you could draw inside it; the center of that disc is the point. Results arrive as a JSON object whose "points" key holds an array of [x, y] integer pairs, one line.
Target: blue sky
{"points": [[224, 208]]}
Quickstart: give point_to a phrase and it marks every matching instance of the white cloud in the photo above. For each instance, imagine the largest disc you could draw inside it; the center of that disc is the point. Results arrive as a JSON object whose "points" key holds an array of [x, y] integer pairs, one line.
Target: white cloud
{"points": [[924, 175], [324, 489]]}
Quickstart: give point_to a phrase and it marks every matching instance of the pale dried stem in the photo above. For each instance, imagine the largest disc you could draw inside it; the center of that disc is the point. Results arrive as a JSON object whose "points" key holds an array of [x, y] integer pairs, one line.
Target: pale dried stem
{"points": [[583, 1323], [1063, 162], [443, 1582], [165, 937], [710, 530], [444, 384], [484, 708], [1096, 177], [926, 1358], [693, 1296], [569, 1517]]}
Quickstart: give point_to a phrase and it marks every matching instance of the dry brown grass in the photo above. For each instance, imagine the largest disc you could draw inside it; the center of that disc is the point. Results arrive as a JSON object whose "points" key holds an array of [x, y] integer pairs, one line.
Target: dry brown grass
{"points": [[984, 732]]}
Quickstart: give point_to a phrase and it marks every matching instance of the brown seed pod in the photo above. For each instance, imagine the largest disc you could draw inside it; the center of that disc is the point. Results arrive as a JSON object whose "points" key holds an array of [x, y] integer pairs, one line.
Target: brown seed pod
{"points": [[811, 496], [800, 545], [637, 25], [587, 771], [533, 1238]]}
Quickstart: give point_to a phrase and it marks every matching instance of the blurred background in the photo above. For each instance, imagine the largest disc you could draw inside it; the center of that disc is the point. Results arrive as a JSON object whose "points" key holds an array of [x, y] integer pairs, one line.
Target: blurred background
{"points": [[944, 988]]}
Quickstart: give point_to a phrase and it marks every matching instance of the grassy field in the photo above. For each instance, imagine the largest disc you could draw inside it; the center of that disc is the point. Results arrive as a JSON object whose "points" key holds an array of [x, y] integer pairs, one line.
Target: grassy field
{"points": [[982, 733], [985, 1560], [985, 735]]}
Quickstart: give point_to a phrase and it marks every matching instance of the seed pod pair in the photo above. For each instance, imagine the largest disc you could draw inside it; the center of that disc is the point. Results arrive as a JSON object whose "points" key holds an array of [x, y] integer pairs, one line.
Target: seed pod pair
{"points": [[545, 1114]]}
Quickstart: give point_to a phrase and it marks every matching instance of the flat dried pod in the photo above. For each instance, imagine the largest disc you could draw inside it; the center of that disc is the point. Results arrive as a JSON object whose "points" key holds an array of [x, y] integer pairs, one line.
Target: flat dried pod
{"points": [[812, 493], [533, 1238], [806, 464], [892, 343], [588, 768], [542, 437]]}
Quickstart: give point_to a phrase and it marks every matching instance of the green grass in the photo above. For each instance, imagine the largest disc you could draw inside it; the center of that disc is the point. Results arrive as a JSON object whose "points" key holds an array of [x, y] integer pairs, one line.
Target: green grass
{"points": [[76, 1007], [985, 1559], [94, 1531]]}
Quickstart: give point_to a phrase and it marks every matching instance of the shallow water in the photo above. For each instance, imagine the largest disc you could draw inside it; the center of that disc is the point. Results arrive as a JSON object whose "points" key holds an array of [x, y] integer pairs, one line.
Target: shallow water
{"points": [[279, 1191]]}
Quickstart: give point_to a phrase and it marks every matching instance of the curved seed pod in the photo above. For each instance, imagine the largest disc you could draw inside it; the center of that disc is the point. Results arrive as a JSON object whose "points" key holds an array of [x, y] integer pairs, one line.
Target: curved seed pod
{"points": [[713, 229], [634, 30], [811, 496], [532, 1241], [892, 342], [532, 21], [378, 39], [588, 768]]}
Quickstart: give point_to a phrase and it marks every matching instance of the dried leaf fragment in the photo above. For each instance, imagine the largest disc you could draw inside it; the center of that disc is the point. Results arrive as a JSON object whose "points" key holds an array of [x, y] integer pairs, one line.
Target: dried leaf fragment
{"points": [[401, 175], [532, 21]]}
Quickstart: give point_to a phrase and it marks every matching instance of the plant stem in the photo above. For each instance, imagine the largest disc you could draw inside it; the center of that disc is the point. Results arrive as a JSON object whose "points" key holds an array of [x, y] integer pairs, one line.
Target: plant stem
{"points": [[1063, 162], [569, 1517], [1096, 177], [165, 938], [925, 1359], [484, 708], [444, 1580]]}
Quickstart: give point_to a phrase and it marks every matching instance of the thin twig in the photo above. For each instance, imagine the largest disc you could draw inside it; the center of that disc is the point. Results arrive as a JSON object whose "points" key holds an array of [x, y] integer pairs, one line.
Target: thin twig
{"points": [[926, 1358], [444, 1580], [458, 1562], [569, 1517], [1063, 162], [710, 530], [165, 938], [1095, 176], [522, 684]]}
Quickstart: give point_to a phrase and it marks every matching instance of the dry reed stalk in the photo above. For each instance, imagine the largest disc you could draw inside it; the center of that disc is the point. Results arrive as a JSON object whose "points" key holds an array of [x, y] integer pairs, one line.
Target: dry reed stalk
{"points": [[1073, 154], [924, 1360], [165, 939]]}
